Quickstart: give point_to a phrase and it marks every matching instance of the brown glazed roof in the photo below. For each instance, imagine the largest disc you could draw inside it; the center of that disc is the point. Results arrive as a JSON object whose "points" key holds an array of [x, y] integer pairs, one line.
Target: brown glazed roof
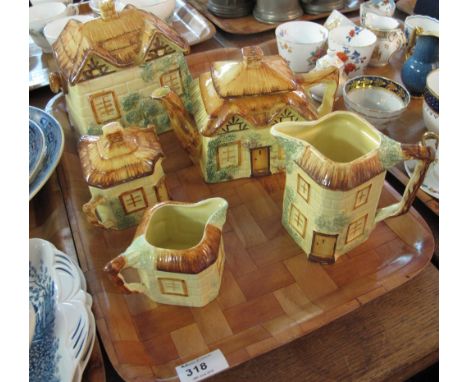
{"points": [[256, 74], [340, 176], [122, 41], [119, 155]]}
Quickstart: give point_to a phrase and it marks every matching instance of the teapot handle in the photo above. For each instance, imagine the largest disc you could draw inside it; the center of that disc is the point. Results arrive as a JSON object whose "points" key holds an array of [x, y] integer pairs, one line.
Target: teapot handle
{"points": [[114, 268], [425, 156], [330, 76]]}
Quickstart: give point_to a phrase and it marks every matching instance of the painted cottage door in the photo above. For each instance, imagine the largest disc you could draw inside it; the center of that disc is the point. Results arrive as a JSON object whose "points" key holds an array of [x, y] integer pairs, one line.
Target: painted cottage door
{"points": [[260, 160], [323, 247]]}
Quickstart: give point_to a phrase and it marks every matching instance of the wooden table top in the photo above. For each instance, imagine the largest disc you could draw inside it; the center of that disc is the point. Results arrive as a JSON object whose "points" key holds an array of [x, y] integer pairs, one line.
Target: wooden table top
{"points": [[390, 338]]}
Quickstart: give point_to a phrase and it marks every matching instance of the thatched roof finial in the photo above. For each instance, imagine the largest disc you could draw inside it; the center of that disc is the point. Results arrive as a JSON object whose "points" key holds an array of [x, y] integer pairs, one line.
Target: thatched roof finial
{"points": [[107, 8]]}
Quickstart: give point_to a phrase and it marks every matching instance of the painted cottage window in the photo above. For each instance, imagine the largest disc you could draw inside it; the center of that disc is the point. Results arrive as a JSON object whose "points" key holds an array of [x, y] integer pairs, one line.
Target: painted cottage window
{"points": [[173, 80], [362, 196], [356, 229], [173, 287], [105, 106], [133, 200], [229, 155], [234, 124], [303, 188], [297, 220]]}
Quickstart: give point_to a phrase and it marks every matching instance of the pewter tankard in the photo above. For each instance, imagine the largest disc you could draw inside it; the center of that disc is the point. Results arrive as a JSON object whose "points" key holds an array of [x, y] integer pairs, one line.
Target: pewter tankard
{"points": [[230, 8], [274, 11], [320, 6]]}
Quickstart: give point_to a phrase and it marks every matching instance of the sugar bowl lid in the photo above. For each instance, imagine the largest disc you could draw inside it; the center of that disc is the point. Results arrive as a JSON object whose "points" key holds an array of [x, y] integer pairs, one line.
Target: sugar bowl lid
{"points": [[119, 155]]}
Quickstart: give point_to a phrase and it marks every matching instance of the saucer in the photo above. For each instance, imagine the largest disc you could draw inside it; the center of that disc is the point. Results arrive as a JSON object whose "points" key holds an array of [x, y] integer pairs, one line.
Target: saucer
{"points": [[430, 184], [37, 149]]}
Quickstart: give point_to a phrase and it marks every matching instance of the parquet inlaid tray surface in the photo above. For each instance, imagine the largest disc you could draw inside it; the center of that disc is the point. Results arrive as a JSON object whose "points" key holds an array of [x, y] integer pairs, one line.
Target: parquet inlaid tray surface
{"points": [[270, 293]]}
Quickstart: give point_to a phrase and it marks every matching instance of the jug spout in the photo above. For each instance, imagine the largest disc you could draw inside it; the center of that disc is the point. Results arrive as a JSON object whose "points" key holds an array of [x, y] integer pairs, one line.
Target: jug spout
{"points": [[182, 121]]}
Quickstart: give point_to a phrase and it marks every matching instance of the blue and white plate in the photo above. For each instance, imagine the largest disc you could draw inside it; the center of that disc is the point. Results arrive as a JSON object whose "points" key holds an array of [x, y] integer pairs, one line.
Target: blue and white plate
{"points": [[65, 326], [54, 141], [37, 149]]}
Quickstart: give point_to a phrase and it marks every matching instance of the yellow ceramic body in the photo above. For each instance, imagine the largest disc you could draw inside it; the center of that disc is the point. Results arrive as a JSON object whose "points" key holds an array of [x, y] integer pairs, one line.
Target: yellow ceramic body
{"points": [[178, 253], [335, 170]]}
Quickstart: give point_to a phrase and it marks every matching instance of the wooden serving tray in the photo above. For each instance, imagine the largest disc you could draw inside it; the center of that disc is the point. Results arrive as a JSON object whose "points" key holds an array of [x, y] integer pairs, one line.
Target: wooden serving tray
{"points": [[270, 293], [249, 25]]}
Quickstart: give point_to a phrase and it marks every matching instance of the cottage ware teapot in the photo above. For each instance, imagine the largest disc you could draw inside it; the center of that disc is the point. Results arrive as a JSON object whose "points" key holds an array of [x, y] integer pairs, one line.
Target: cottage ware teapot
{"points": [[235, 104], [178, 253], [335, 171]]}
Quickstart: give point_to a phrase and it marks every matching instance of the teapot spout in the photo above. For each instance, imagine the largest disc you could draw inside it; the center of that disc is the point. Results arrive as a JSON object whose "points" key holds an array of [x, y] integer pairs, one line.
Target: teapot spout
{"points": [[181, 120]]}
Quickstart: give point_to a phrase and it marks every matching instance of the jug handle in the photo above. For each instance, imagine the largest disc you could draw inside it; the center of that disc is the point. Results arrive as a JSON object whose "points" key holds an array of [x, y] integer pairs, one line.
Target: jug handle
{"points": [[114, 268], [90, 211], [425, 156], [330, 77], [412, 41]]}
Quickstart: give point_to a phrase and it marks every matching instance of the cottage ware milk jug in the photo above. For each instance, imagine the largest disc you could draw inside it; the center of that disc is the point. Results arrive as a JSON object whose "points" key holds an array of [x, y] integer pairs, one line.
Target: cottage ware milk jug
{"points": [[178, 253], [335, 171]]}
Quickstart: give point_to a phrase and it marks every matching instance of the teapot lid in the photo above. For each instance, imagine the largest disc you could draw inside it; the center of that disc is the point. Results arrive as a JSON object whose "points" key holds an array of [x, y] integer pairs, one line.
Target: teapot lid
{"points": [[256, 74], [119, 155]]}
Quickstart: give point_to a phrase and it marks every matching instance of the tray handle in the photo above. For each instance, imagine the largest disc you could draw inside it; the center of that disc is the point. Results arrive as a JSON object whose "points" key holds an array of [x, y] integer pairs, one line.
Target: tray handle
{"points": [[425, 156], [114, 268]]}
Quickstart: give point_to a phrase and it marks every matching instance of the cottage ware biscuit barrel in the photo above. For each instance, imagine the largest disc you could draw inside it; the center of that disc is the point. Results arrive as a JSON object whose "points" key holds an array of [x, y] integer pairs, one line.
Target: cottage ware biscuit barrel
{"points": [[335, 171], [124, 174], [178, 252]]}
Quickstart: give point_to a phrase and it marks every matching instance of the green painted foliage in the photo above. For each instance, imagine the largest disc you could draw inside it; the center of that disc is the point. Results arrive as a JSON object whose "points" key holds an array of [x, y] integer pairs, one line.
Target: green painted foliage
{"points": [[123, 220], [94, 129], [332, 224], [143, 111], [147, 72], [389, 152]]}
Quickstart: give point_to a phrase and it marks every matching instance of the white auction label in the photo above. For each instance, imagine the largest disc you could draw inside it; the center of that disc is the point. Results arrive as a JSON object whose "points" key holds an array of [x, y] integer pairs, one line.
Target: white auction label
{"points": [[202, 367]]}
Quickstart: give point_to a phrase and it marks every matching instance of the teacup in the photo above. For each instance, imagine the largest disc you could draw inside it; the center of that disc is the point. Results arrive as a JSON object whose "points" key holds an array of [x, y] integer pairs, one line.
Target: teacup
{"points": [[390, 38], [42, 14], [336, 19], [53, 29], [425, 25], [354, 46], [431, 102], [379, 7], [301, 44]]}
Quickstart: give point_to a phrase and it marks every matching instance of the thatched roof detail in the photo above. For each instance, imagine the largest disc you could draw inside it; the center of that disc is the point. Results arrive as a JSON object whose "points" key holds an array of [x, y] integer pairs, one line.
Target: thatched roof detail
{"points": [[119, 155], [122, 41], [256, 74], [340, 176], [259, 111]]}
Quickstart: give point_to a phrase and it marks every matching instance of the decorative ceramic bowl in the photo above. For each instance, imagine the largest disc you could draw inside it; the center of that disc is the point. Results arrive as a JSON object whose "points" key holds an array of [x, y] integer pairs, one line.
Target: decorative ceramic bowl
{"points": [[54, 28], [378, 99], [54, 142], [64, 326], [37, 149], [431, 102], [354, 46]]}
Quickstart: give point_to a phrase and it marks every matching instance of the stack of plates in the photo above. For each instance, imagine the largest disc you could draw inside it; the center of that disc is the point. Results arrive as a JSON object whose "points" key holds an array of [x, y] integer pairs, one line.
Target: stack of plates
{"points": [[62, 324], [45, 148]]}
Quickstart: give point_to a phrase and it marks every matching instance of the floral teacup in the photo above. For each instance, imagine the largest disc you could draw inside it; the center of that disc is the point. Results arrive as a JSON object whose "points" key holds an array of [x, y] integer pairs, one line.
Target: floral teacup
{"points": [[301, 44], [336, 19], [354, 46]]}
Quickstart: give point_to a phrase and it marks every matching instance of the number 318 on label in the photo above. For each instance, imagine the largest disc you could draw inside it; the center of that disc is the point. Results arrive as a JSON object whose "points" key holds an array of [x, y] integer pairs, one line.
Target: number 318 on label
{"points": [[202, 367]]}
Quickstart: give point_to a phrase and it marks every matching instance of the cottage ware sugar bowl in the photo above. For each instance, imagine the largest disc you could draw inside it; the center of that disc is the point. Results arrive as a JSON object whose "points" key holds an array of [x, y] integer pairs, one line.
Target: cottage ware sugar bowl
{"points": [[178, 253], [335, 170], [124, 174], [235, 105]]}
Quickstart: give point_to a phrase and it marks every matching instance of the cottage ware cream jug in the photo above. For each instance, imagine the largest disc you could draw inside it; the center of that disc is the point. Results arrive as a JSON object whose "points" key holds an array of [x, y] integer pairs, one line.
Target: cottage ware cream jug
{"points": [[178, 253], [335, 171], [235, 104]]}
